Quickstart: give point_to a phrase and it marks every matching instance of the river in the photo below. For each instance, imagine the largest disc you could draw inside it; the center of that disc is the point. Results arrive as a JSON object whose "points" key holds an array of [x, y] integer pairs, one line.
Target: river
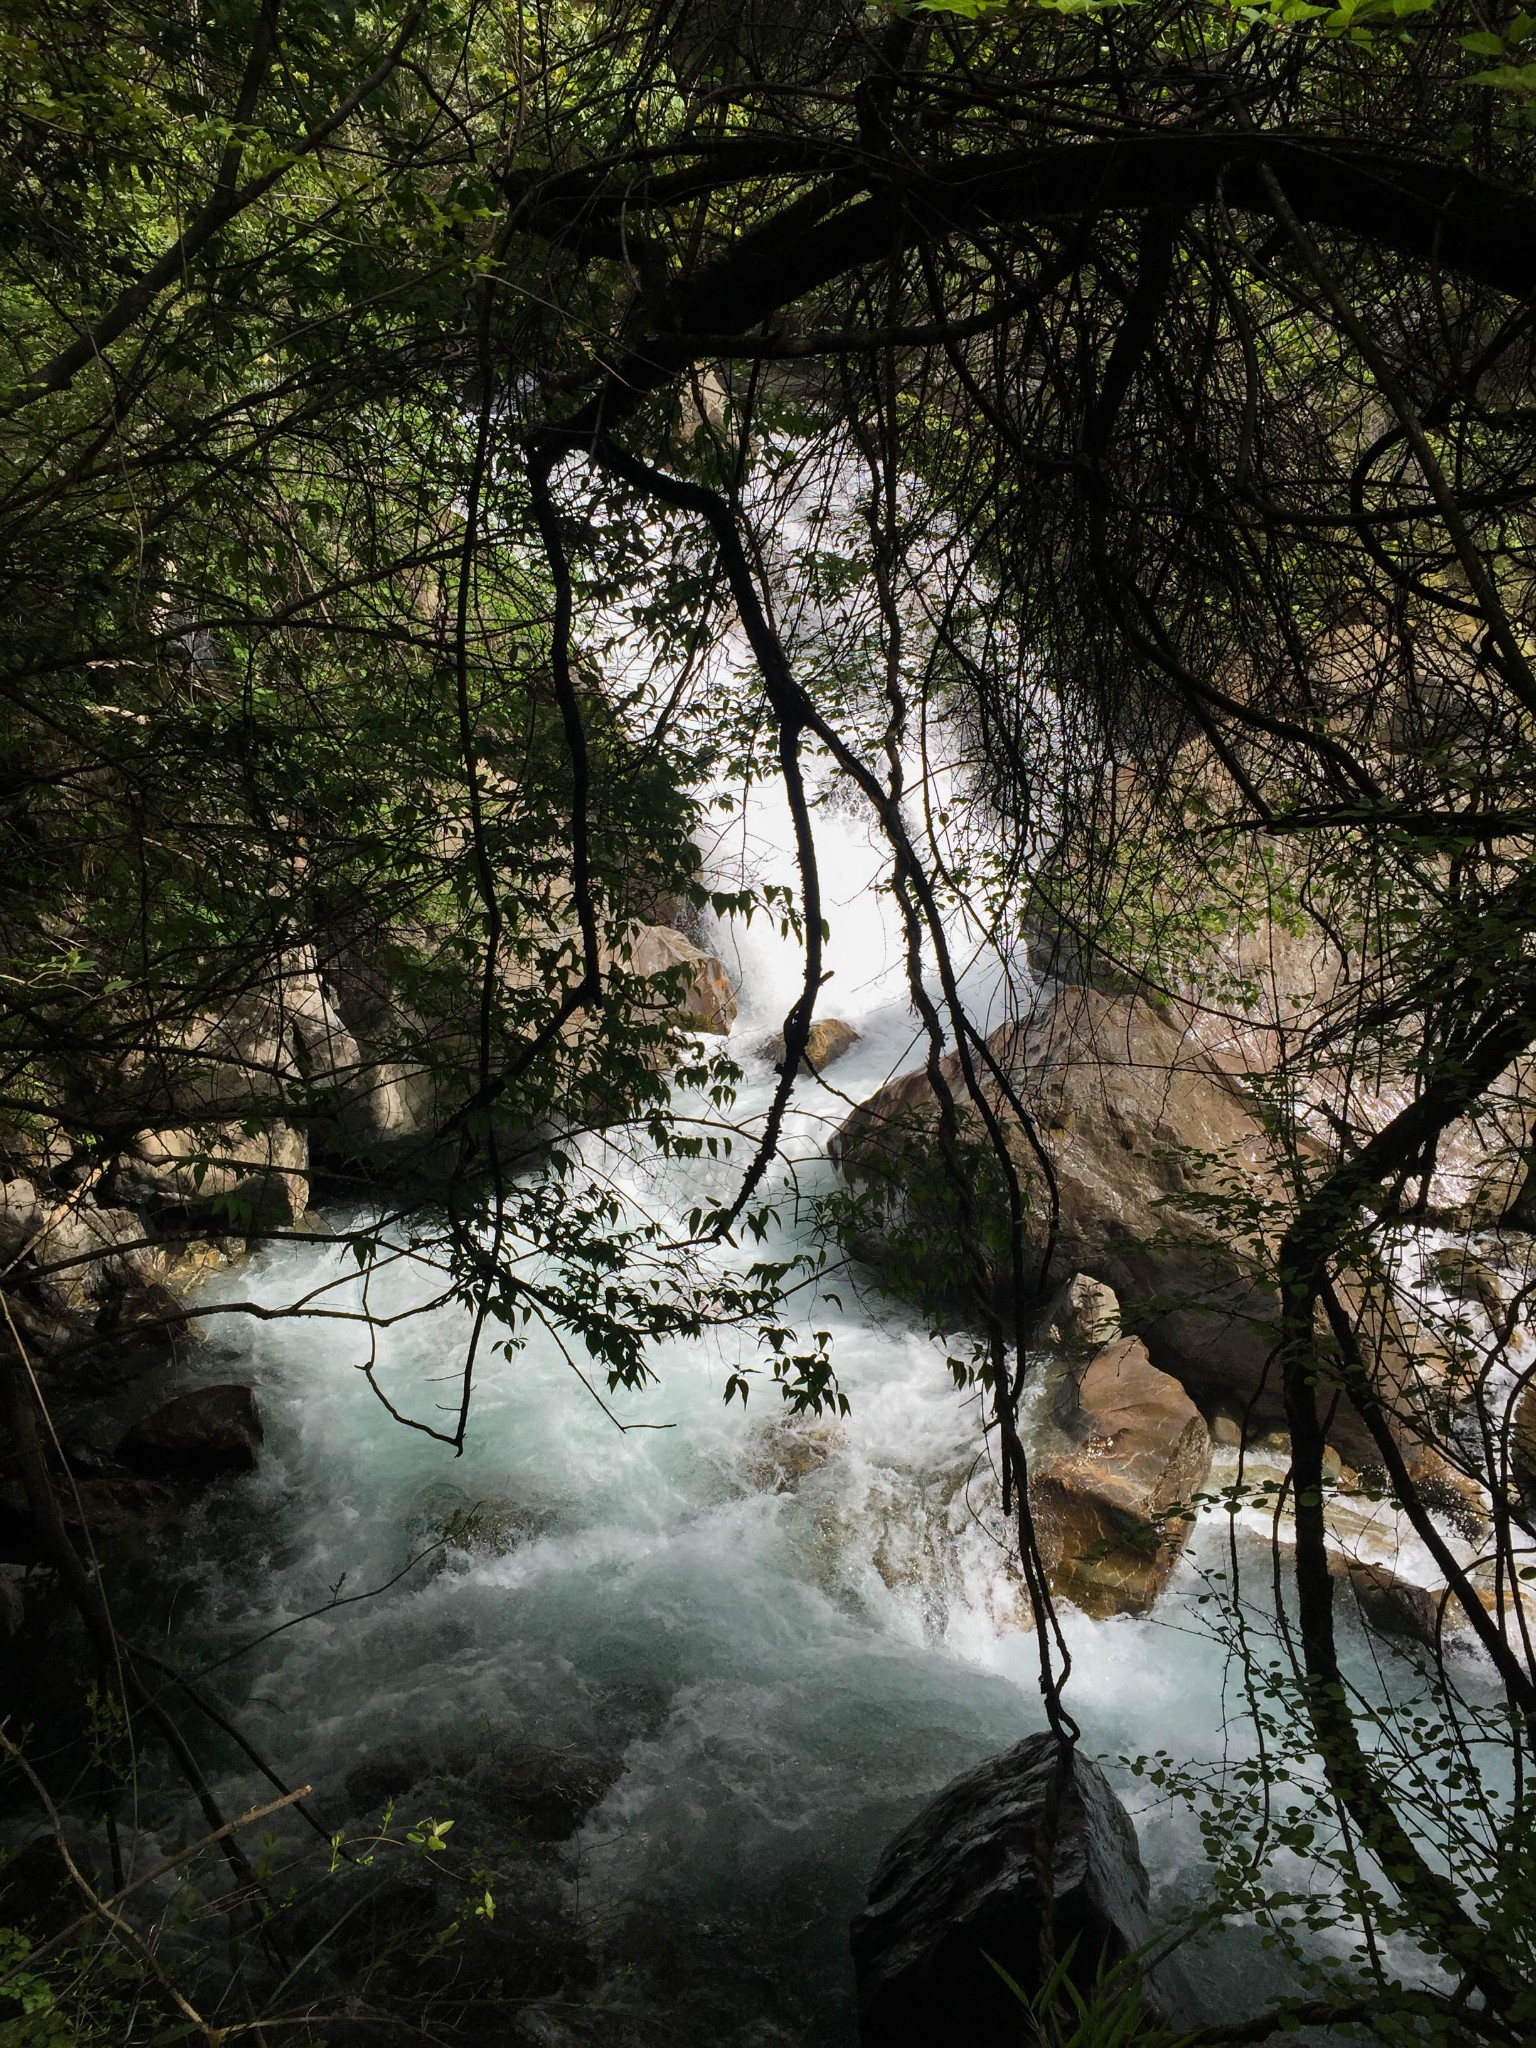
{"points": [[781, 1637]]}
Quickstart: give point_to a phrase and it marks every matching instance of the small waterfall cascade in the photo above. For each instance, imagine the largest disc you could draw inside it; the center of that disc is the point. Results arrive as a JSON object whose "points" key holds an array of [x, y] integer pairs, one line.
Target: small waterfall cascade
{"points": [[781, 1635]]}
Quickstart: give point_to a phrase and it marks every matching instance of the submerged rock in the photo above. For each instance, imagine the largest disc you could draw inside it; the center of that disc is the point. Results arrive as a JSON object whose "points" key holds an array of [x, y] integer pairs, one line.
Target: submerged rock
{"points": [[963, 1883], [498, 1797], [1106, 1512], [789, 1449], [200, 1434], [548, 1792], [472, 1531]]}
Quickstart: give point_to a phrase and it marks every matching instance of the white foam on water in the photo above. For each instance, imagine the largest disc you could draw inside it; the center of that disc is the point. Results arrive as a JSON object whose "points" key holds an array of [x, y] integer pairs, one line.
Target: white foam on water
{"points": [[788, 1649]]}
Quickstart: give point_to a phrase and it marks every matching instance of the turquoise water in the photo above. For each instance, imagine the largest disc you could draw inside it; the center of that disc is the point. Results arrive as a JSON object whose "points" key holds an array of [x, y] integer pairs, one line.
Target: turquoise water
{"points": [[784, 1637]]}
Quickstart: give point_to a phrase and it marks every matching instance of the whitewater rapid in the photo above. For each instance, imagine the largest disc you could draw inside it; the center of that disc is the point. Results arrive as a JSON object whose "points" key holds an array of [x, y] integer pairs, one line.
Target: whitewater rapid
{"points": [[785, 1637]]}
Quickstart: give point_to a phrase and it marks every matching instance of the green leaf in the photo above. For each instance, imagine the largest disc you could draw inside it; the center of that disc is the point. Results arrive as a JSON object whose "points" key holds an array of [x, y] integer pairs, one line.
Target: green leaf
{"points": [[1507, 78]]}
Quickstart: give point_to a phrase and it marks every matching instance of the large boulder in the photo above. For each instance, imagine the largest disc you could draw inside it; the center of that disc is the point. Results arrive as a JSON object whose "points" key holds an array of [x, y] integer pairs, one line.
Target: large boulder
{"points": [[1108, 1512], [87, 1255], [197, 1435], [1137, 1123], [221, 1174], [1167, 1190], [964, 1883], [1084, 1316], [708, 1002]]}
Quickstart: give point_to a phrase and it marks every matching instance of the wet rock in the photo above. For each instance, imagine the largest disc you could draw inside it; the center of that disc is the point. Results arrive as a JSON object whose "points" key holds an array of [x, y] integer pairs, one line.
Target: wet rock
{"points": [[382, 1778], [1391, 1605], [484, 1529], [962, 1883], [110, 1516], [497, 1797], [1085, 1314], [829, 1039], [708, 1002], [1226, 1430], [1512, 1608], [221, 1174], [194, 1258], [545, 1792], [1466, 1278], [1137, 1121], [1447, 1490], [1107, 1511], [787, 1451], [198, 1435]]}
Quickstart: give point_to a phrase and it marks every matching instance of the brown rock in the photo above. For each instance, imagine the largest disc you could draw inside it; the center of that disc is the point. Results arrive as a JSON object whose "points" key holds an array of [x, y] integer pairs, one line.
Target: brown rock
{"points": [[829, 1039], [1143, 1133], [1085, 1314], [1466, 1278], [708, 1002], [208, 1431], [1134, 1121], [1102, 1510], [86, 1254], [1391, 1605], [221, 1173]]}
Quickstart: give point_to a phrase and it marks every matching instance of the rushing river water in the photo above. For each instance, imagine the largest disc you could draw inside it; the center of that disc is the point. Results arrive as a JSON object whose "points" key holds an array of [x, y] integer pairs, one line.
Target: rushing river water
{"points": [[784, 1637]]}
